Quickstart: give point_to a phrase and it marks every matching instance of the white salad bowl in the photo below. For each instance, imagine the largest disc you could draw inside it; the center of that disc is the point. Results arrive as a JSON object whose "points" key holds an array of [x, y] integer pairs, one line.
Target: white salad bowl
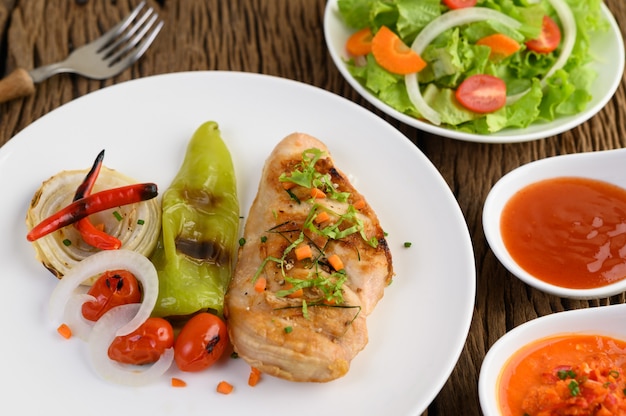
{"points": [[608, 48], [602, 165], [605, 320]]}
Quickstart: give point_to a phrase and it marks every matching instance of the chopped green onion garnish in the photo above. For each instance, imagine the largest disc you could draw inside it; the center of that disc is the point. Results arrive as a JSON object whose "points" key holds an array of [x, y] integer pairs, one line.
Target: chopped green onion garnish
{"points": [[67, 243], [407, 244], [563, 374], [141, 222], [242, 241], [117, 216], [288, 329]]}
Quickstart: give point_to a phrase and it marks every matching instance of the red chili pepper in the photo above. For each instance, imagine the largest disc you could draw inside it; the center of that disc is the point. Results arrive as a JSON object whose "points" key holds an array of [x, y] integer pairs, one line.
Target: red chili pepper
{"points": [[91, 234], [86, 186], [109, 198]]}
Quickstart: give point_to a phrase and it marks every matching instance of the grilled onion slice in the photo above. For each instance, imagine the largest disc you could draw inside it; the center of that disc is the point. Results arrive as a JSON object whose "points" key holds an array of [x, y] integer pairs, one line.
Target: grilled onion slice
{"points": [[137, 226]]}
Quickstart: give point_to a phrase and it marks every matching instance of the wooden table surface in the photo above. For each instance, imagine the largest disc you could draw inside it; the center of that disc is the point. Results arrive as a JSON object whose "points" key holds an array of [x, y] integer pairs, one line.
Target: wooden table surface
{"points": [[285, 38]]}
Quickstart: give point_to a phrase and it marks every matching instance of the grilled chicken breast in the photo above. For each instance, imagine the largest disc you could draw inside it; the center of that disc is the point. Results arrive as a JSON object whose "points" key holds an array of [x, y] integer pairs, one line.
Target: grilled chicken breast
{"points": [[292, 310]]}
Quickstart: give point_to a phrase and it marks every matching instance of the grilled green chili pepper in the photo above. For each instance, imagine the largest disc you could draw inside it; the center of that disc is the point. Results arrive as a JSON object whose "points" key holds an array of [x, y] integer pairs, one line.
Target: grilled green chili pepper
{"points": [[195, 254]]}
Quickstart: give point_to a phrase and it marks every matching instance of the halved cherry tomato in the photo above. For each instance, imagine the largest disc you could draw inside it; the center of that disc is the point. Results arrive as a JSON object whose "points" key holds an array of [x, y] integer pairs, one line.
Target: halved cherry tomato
{"points": [[549, 38], [201, 342], [482, 93], [459, 4], [145, 345], [113, 288]]}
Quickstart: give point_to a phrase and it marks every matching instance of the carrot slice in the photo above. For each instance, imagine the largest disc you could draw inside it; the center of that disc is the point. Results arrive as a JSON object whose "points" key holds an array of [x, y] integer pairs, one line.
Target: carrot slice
{"points": [[321, 217], [296, 293], [501, 45], [254, 377], [317, 193], [360, 42], [177, 382], [224, 387], [393, 55], [303, 251], [335, 261], [64, 331], [260, 284], [360, 204], [288, 185]]}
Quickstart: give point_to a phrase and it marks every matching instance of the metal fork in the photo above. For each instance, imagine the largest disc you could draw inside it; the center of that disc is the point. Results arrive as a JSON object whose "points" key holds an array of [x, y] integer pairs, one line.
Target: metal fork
{"points": [[103, 58]]}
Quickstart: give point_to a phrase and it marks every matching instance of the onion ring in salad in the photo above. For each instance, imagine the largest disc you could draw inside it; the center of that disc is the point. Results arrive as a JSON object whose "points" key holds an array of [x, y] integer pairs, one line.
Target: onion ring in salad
{"points": [[97, 263], [459, 17], [104, 332]]}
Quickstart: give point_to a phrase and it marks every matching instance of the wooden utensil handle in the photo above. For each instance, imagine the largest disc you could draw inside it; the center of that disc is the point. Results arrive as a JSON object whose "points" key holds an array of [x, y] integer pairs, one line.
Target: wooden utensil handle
{"points": [[15, 85]]}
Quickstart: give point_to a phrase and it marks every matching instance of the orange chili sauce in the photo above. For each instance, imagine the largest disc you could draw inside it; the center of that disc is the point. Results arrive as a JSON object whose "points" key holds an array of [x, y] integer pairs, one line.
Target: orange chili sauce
{"points": [[529, 382], [568, 231]]}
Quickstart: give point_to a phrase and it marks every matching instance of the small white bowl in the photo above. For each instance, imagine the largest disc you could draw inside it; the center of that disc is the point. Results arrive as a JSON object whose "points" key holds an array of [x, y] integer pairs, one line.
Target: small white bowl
{"points": [[605, 165], [605, 320]]}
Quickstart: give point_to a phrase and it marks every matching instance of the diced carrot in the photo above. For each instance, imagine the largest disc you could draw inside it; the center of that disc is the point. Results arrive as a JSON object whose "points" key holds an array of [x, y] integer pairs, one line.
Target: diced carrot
{"points": [[65, 331], [295, 294], [177, 382], [330, 302], [224, 387], [317, 193], [260, 284], [393, 55], [303, 251], [360, 42], [254, 377], [289, 185], [360, 204], [501, 45], [335, 261], [321, 217]]}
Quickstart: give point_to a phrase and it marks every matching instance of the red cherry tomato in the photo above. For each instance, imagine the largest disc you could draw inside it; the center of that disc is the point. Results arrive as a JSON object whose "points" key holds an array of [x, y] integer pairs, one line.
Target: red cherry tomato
{"points": [[482, 93], [144, 345], [200, 342], [113, 288], [459, 4], [549, 38]]}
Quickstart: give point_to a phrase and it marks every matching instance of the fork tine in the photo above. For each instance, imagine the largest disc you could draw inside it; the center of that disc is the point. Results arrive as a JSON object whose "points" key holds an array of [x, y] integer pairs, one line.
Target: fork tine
{"points": [[116, 30], [121, 62], [109, 49]]}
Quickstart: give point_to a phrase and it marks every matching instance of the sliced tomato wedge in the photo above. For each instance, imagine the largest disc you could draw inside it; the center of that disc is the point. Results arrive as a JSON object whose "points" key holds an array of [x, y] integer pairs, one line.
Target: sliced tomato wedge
{"points": [[549, 38], [482, 93], [459, 4]]}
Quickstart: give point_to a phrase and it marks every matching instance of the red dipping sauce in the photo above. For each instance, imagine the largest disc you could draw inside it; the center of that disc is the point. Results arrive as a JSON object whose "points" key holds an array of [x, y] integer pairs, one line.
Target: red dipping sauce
{"points": [[568, 231]]}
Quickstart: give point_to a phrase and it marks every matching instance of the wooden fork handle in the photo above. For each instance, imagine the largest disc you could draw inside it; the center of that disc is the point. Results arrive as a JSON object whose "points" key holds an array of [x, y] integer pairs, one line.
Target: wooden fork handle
{"points": [[15, 85]]}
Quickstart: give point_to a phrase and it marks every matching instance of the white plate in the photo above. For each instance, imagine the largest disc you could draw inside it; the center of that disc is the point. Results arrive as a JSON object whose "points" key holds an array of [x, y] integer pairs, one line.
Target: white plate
{"points": [[417, 332], [608, 47]]}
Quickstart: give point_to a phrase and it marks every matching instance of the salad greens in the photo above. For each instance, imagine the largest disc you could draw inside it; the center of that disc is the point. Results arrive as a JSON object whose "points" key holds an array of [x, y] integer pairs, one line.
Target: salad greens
{"points": [[453, 56]]}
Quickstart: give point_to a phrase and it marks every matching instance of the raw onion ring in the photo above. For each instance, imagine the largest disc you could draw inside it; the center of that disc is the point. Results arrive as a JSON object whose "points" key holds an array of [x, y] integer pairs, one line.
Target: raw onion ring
{"points": [[104, 332], [98, 263]]}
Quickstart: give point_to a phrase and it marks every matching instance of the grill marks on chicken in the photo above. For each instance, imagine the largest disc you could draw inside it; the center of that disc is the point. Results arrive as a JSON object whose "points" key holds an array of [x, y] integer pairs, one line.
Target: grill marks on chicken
{"points": [[309, 321]]}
